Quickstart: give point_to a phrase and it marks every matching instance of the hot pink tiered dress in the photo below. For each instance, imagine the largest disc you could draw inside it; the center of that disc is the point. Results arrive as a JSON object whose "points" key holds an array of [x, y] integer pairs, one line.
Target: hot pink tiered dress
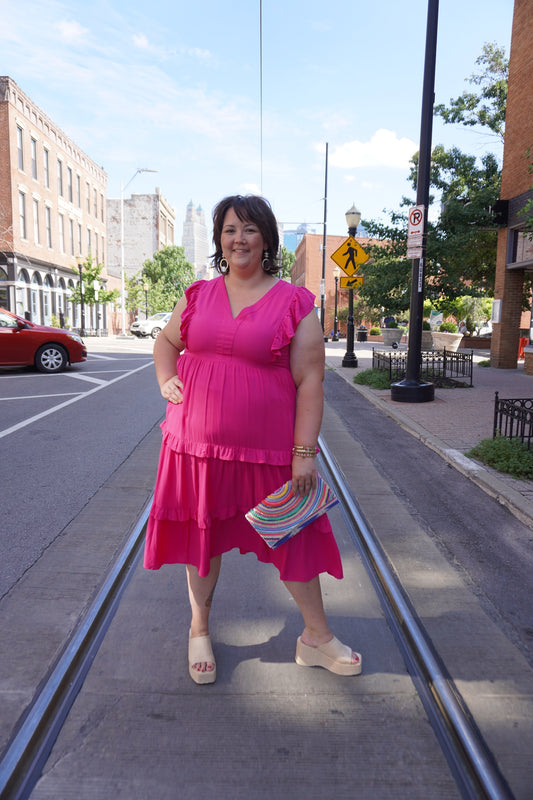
{"points": [[229, 443]]}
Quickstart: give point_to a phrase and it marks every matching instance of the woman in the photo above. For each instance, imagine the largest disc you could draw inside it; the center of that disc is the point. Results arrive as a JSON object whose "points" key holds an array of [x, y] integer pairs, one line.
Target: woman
{"points": [[243, 417]]}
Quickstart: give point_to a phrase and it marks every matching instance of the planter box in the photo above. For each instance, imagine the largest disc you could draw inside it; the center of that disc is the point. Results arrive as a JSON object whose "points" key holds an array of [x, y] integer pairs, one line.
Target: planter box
{"points": [[442, 340], [476, 342], [392, 335]]}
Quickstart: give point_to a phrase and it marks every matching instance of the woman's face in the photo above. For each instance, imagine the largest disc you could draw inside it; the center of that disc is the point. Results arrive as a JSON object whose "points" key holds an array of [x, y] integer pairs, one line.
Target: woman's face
{"points": [[242, 243]]}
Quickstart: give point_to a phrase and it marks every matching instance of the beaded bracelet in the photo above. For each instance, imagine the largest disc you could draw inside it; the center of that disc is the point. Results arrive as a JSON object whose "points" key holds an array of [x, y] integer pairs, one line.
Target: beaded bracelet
{"points": [[305, 451]]}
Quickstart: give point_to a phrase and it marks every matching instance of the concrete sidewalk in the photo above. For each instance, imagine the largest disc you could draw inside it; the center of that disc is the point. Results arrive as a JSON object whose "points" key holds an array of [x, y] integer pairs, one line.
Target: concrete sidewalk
{"points": [[455, 421]]}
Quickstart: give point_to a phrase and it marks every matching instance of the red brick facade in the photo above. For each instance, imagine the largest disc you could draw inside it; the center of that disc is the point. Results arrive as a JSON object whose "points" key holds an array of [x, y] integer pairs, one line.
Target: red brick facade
{"points": [[515, 253]]}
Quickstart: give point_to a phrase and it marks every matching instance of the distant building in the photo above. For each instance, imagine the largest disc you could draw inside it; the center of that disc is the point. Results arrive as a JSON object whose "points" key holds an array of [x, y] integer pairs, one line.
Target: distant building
{"points": [[52, 214], [291, 238], [149, 222], [195, 241]]}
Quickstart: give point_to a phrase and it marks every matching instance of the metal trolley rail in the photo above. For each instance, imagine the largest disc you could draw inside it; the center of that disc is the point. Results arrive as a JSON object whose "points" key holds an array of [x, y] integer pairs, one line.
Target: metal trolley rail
{"points": [[469, 759]]}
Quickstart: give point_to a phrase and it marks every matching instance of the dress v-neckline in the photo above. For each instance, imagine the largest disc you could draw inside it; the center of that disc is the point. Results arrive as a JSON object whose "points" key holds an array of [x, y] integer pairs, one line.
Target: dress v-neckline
{"points": [[245, 308]]}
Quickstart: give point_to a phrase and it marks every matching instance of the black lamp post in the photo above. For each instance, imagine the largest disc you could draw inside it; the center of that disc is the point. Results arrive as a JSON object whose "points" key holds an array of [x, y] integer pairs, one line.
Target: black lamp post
{"points": [[336, 274], [146, 287], [353, 218], [82, 303]]}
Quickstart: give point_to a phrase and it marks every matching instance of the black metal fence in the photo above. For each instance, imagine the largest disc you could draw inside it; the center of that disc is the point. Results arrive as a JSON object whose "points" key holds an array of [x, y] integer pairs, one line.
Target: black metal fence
{"points": [[513, 419], [455, 366]]}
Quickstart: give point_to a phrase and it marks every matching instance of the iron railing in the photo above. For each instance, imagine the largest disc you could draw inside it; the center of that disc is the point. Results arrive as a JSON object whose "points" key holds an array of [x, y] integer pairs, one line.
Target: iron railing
{"points": [[513, 419], [455, 366]]}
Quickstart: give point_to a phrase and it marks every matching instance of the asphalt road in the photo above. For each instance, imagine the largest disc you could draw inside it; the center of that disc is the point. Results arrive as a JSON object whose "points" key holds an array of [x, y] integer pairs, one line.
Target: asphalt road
{"points": [[61, 437]]}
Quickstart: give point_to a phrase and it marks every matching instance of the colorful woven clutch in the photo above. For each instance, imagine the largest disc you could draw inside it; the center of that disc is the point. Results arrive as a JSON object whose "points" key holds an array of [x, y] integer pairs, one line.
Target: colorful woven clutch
{"points": [[282, 514]]}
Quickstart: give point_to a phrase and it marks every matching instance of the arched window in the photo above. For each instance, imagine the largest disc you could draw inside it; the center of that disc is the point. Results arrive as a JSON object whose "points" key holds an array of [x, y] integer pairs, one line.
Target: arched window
{"points": [[47, 300], [35, 309], [3, 288]]}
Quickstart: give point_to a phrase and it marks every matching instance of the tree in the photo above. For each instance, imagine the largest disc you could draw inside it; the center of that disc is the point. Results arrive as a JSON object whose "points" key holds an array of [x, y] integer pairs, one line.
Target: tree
{"points": [[287, 260], [91, 273], [488, 107], [461, 245], [167, 275]]}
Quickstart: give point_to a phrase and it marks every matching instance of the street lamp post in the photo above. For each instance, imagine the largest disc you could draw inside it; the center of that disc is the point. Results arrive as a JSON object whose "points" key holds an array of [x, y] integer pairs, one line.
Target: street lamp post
{"points": [[145, 287], [82, 303], [336, 274], [122, 266], [353, 218]]}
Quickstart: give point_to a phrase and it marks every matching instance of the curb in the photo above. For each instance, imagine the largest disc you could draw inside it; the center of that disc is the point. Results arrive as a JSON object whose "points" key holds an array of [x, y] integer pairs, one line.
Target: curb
{"points": [[489, 482]]}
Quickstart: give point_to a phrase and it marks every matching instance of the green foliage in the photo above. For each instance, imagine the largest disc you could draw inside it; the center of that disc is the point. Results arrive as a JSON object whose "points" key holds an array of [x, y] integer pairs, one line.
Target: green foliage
{"points": [[487, 108], [287, 260], [92, 273], [425, 325], [505, 455], [375, 378], [484, 363], [448, 327], [375, 331], [392, 324], [167, 275]]}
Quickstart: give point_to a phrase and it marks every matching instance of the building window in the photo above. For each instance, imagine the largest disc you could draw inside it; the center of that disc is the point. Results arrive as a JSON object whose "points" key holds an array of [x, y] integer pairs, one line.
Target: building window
{"points": [[89, 241], [36, 235], [70, 188], [71, 232], [46, 164], [95, 201], [79, 240], [20, 147], [22, 214], [34, 158], [61, 233], [78, 191], [48, 222], [60, 177], [88, 197], [96, 248], [102, 206]]}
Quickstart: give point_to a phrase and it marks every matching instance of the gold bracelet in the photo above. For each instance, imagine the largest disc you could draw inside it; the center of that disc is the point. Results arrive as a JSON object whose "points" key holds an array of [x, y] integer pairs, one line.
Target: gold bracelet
{"points": [[305, 451]]}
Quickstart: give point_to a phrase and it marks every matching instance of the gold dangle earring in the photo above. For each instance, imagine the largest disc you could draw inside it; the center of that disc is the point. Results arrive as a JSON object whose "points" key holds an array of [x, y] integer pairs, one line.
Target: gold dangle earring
{"points": [[224, 265], [265, 263]]}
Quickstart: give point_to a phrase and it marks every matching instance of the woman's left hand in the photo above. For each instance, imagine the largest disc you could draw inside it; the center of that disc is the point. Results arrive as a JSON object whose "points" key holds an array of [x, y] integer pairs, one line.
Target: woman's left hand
{"points": [[303, 475]]}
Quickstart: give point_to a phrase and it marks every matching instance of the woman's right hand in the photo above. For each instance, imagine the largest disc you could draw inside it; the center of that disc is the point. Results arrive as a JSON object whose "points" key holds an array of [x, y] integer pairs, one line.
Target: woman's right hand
{"points": [[172, 390]]}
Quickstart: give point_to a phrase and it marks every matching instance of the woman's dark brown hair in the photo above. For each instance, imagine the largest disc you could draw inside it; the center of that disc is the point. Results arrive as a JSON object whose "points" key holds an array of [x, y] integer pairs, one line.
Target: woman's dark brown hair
{"points": [[249, 208]]}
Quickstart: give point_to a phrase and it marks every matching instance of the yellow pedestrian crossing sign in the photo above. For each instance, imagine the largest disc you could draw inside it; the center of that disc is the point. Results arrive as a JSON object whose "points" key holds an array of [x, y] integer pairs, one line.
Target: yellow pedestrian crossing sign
{"points": [[349, 257], [351, 283]]}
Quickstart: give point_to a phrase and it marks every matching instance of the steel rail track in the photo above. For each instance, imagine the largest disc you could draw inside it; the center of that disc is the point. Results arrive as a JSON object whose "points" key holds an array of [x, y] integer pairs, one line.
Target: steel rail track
{"points": [[27, 752], [470, 760]]}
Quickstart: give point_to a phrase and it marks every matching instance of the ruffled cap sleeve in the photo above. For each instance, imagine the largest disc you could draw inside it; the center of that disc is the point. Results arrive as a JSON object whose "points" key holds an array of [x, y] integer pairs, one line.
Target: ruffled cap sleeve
{"points": [[302, 302], [191, 293]]}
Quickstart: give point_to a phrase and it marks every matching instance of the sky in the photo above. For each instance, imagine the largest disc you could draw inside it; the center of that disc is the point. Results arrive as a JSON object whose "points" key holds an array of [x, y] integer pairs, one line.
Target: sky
{"points": [[180, 87]]}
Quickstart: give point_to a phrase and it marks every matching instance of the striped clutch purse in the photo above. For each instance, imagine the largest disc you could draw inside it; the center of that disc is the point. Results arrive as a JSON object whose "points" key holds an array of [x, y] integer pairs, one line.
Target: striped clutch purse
{"points": [[282, 514]]}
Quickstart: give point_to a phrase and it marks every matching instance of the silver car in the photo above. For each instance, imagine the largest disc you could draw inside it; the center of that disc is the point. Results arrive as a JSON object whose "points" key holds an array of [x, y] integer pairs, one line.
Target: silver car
{"points": [[151, 326]]}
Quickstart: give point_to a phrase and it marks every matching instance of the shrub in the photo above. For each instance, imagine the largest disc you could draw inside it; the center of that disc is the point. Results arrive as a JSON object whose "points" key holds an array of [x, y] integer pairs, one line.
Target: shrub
{"points": [[505, 455], [448, 327], [375, 331], [484, 363], [425, 325], [392, 324], [375, 378]]}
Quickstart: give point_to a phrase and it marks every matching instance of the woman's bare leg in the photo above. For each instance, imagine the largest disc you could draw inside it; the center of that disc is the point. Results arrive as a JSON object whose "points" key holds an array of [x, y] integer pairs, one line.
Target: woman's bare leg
{"points": [[201, 592], [308, 597]]}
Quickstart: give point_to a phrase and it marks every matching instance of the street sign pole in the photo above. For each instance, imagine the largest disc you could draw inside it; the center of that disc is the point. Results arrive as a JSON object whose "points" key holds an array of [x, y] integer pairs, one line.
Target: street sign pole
{"points": [[350, 359], [412, 389]]}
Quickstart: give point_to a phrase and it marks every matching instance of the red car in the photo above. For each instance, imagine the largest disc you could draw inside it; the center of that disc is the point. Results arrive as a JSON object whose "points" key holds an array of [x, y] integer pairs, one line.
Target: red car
{"points": [[48, 349]]}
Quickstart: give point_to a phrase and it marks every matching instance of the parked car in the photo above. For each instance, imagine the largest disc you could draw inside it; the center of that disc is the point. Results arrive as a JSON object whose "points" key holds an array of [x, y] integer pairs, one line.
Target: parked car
{"points": [[23, 343], [151, 326]]}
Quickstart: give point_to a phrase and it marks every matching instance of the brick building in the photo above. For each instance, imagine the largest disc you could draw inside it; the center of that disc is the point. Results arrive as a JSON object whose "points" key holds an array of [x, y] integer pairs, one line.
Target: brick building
{"points": [[307, 271], [52, 213], [515, 250]]}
